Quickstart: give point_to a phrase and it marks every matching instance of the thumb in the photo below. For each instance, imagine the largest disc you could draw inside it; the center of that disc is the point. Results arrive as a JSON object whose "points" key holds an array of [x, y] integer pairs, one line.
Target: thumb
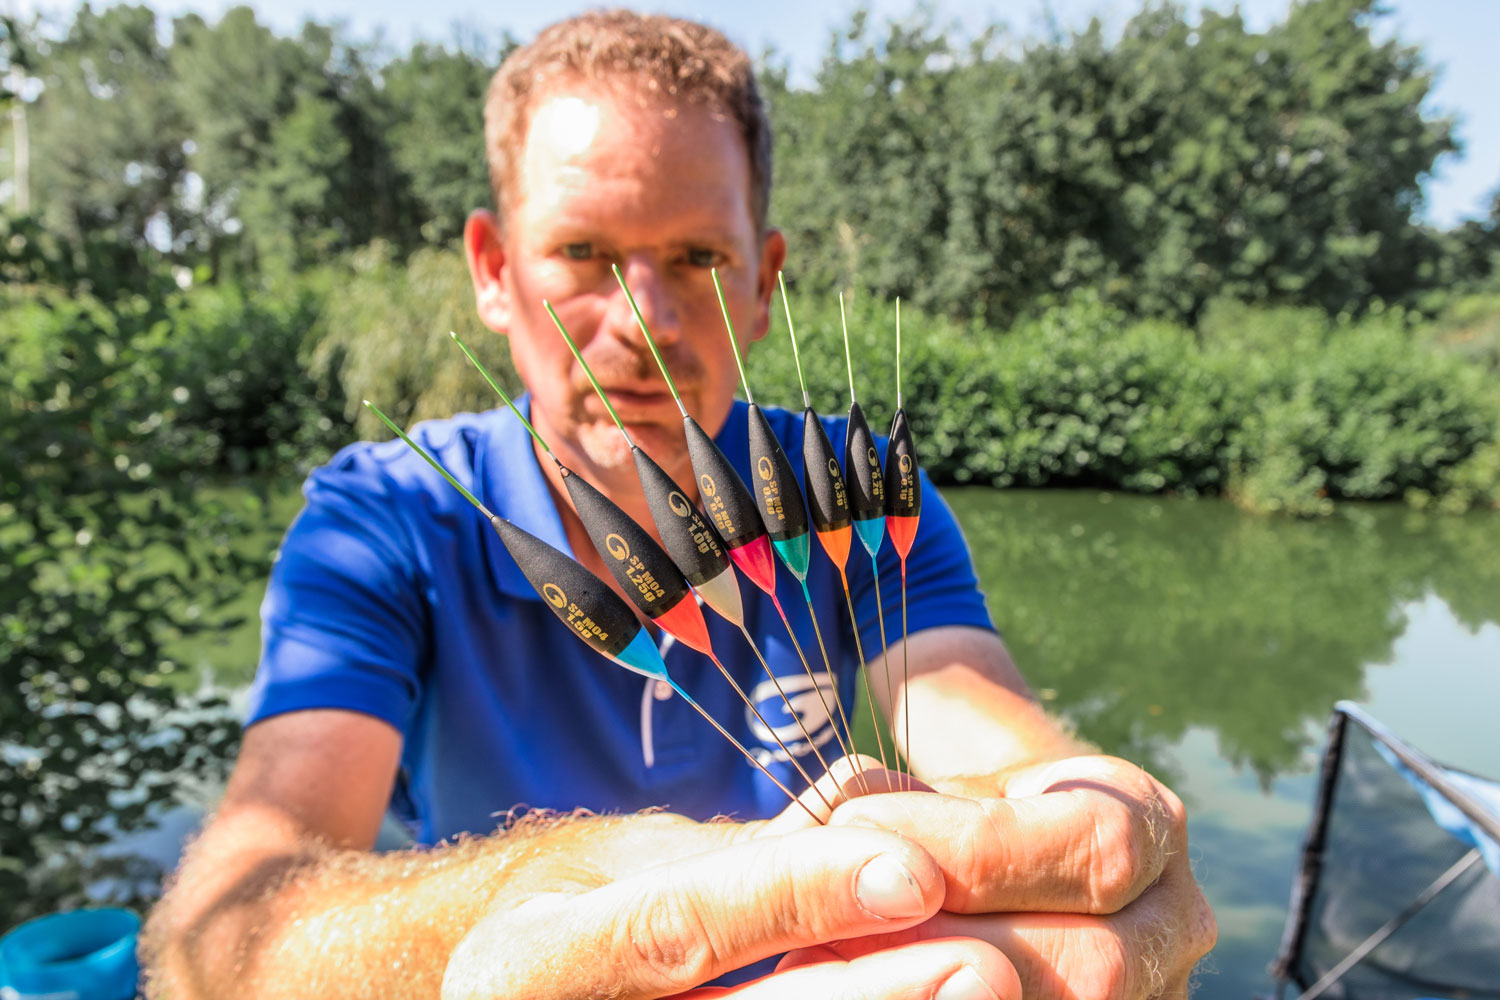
{"points": [[670, 928]]}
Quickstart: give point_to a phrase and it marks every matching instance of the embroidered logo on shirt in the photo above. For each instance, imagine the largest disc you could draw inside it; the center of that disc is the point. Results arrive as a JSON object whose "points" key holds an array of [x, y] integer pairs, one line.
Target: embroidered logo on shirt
{"points": [[807, 696]]}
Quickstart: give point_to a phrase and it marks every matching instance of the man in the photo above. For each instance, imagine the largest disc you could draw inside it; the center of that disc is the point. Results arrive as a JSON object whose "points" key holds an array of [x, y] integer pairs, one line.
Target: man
{"points": [[404, 659]]}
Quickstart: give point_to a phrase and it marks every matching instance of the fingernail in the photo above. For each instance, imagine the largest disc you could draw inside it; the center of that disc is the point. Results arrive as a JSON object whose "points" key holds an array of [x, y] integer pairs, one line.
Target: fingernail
{"points": [[965, 984], [885, 888]]}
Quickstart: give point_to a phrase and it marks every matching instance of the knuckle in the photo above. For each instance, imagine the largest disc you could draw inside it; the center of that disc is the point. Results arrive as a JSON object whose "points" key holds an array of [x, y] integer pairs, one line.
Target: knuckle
{"points": [[1205, 930], [1117, 867], [979, 863], [666, 944]]}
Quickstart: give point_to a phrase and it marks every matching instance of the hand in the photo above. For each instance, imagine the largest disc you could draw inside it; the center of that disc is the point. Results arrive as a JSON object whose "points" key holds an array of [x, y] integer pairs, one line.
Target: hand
{"points": [[734, 895], [1076, 870]]}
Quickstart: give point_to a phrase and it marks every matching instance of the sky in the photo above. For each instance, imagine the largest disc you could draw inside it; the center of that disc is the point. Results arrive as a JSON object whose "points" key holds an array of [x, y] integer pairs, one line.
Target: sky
{"points": [[1457, 36]]}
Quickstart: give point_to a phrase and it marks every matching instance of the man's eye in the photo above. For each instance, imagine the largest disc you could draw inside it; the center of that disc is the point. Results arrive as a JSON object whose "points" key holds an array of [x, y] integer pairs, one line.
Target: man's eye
{"points": [[578, 251], [702, 257]]}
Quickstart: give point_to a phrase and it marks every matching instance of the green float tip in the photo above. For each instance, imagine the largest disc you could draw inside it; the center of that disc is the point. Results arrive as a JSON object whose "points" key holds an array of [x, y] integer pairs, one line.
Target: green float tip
{"points": [[429, 459], [847, 359], [791, 330], [587, 370], [501, 392], [729, 325], [650, 340]]}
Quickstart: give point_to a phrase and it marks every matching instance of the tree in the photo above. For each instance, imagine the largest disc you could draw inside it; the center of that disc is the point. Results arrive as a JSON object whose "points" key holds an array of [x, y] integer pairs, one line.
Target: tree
{"points": [[432, 107], [110, 139], [1183, 162]]}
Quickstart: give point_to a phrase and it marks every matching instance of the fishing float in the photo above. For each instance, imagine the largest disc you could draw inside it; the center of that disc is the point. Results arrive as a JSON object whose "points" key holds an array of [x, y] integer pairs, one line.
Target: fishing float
{"points": [[726, 498], [826, 498], [644, 572], [866, 500], [828, 505], [690, 542], [903, 510], [784, 515], [585, 604]]}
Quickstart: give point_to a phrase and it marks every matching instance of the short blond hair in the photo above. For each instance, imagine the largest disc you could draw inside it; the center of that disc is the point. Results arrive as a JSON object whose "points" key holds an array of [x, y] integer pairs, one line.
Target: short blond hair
{"points": [[682, 60]]}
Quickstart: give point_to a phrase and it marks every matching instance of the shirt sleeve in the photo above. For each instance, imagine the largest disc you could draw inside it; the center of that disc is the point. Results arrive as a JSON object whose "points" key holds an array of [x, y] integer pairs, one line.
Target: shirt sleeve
{"points": [[343, 621], [941, 585]]}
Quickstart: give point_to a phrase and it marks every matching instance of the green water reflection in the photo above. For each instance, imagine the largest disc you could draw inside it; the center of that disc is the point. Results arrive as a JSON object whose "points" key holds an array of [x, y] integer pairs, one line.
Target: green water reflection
{"points": [[1210, 647], [1143, 618]]}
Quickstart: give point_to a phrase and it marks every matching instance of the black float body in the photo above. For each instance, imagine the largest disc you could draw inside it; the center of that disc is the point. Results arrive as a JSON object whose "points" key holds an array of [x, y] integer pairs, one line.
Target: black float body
{"points": [[903, 485], [823, 481], [581, 600], [726, 499], [645, 572], [780, 502], [862, 468], [689, 540]]}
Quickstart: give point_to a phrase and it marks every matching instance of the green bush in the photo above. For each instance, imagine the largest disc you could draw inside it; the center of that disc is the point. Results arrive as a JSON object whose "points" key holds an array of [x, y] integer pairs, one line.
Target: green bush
{"points": [[110, 551], [1284, 409], [383, 336], [233, 359]]}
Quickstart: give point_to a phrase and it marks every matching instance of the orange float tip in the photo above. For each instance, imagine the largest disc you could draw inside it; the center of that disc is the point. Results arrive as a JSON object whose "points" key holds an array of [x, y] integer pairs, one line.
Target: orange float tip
{"points": [[903, 532], [836, 544]]}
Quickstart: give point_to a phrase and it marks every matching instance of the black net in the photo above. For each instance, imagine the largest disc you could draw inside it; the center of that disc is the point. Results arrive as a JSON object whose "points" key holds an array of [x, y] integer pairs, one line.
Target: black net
{"points": [[1391, 904]]}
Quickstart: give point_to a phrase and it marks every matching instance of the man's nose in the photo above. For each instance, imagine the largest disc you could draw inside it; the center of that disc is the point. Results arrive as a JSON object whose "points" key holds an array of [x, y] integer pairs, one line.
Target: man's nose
{"points": [[653, 296]]}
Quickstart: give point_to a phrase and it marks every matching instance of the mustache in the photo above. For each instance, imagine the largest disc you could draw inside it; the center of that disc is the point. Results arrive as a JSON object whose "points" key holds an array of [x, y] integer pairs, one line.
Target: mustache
{"points": [[638, 369]]}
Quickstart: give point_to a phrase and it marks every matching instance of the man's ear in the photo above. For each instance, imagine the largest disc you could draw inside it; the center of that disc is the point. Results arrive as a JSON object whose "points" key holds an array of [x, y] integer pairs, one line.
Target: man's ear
{"points": [[485, 252], [772, 257]]}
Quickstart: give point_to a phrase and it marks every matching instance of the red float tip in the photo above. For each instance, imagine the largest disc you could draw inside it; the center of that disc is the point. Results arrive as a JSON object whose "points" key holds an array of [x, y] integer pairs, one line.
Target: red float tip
{"points": [[903, 532], [684, 622], [755, 560]]}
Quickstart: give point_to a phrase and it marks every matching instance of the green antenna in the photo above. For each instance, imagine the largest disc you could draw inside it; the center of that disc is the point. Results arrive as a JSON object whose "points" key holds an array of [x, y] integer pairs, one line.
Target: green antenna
{"points": [[847, 359], [587, 370], [733, 344], [430, 460], [650, 340], [791, 330], [496, 386]]}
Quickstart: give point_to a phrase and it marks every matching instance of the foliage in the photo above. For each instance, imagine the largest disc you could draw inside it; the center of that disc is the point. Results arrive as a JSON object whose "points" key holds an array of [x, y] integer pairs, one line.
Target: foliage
{"points": [[1187, 160], [109, 551], [109, 134], [1180, 163], [231, 358], [1283, 409], [433, 101], [385, 338]]}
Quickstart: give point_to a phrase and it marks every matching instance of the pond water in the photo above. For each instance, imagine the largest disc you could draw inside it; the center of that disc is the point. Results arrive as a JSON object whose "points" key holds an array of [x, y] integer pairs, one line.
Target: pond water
{"points": [[1210, 646]]}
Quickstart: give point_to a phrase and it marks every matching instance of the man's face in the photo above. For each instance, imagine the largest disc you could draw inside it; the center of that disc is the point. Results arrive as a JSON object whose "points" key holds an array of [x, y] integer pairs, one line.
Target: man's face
{"points": [[612, 175]]}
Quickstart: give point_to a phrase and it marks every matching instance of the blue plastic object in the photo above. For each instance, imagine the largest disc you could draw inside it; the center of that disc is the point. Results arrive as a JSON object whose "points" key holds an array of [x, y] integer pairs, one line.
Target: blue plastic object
{"points": [[80, 955]]}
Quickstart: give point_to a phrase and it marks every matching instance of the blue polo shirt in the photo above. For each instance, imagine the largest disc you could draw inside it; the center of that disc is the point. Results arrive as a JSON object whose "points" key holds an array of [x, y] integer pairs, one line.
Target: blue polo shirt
{"points": [[393, 597]]}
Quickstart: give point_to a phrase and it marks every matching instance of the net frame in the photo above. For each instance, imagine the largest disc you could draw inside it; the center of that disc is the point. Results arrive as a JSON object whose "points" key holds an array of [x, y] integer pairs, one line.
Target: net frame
{"points": [[1305, 884]]}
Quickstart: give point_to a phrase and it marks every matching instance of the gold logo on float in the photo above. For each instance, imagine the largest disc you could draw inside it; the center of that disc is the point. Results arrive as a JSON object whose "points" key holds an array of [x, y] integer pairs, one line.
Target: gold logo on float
{"points": [[873, 458], [679, 504], [706, 484], [554, 595], [833, 467], [765, 468], [904, 464], [617, 547]]}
